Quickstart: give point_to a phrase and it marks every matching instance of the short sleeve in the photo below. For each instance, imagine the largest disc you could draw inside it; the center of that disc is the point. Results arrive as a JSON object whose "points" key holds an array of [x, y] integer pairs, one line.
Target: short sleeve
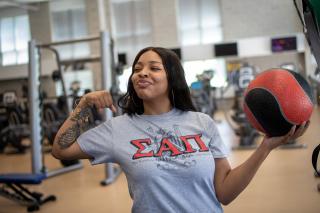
{"points": [[217, 147], [98, 143]]}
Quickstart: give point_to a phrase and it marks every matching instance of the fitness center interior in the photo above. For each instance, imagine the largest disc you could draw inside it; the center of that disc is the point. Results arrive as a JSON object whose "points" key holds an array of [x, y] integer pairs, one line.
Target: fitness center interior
{"points": [[52, 52]]}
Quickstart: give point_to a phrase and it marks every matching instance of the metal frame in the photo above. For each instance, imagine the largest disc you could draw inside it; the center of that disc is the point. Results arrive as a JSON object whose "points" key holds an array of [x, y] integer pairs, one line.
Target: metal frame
{"points": [[107, 64], [35, 109]]}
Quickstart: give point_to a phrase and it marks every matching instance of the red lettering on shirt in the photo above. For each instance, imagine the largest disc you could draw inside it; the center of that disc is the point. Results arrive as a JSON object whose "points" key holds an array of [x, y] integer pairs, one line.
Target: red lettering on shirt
{"points": [[168, 146], [197, 138], [139, 143]]}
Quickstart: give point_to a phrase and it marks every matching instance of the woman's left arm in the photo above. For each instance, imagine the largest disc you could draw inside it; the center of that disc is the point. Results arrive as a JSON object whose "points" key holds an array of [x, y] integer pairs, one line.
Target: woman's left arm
{"points": [[229, 183]]}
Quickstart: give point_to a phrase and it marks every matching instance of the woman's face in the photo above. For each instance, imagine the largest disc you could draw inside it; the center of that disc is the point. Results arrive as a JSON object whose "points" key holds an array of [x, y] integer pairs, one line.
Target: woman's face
{"points": [[149, 77]]}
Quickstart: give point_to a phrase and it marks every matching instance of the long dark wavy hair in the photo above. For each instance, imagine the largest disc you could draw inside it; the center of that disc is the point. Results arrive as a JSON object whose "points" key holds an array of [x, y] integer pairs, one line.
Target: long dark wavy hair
{"points": [[179, 93]]}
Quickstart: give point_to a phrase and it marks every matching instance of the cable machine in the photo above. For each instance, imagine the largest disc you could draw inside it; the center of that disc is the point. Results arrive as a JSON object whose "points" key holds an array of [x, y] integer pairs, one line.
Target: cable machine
{"points": [[35, 109]]}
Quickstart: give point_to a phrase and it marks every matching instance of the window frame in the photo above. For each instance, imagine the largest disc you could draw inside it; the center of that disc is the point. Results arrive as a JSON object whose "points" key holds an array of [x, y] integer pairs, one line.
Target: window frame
{"points": [[15, 51], [200, 28]]}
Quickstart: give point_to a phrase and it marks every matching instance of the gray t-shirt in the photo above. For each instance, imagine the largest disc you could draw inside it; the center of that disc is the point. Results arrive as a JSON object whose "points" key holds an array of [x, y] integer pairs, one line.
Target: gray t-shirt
{"points": [[168, 159]]}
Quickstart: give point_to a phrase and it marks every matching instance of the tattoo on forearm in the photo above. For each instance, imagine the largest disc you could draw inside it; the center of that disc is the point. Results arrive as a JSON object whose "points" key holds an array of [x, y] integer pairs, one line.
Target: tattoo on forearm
{"points": [[81, 118], [68, 137]]}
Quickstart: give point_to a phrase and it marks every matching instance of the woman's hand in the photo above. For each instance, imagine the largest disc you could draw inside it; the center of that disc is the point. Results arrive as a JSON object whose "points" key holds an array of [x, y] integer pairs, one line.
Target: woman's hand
{"points": [[99, 99], [229, 183], [273, 142]]}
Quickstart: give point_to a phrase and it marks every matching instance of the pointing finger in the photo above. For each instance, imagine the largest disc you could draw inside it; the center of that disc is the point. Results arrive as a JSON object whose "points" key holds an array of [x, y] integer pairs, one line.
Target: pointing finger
{"points": [[113, 108]]}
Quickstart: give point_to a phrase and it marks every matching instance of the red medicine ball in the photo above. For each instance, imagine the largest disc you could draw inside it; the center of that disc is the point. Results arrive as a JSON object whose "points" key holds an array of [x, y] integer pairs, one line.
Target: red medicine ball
{"points": [[276, 100]]}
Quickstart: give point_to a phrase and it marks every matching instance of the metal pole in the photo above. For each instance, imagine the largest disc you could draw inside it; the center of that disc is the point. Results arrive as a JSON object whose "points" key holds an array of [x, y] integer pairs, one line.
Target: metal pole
{"points": [[62, 170], [34, 108], [69, 41], [63, 83], [106, 71], [106, 66]]}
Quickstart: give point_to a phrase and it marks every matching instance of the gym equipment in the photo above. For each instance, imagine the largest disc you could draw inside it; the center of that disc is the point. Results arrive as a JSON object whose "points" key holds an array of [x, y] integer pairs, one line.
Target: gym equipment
{"points": [[311, 28], [12, 127], [315, 84], [109, 81], [13, 135], [289, 66], [239, 77], [315, 155], [12, 188], [276, 100], [35, 101], [203, 94], [15, 121]]}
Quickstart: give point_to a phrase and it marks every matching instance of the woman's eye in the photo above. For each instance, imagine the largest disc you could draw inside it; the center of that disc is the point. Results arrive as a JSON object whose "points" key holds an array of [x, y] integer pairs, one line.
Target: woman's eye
{"points": [[137, 69], [155, 68]]}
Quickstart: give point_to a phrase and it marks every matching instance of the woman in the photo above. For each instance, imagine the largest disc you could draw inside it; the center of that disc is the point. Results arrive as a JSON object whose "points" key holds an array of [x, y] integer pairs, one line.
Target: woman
{"points": [[173, 157]]}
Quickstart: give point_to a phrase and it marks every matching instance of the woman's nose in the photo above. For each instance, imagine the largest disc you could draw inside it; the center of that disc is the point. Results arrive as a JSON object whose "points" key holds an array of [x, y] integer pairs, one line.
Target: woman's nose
{"points": [[144, 73]]}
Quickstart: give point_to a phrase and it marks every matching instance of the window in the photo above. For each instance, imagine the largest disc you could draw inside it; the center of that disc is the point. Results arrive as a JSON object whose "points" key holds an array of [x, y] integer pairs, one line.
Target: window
{"points": [[133, 30], [199, 21], [14, 36], [69, 22], [132, 24], [123, 79], [194, 68]]}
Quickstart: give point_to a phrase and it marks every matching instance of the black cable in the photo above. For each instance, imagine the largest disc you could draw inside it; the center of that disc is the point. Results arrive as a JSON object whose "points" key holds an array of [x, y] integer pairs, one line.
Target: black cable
{"points": [[299, 14]]}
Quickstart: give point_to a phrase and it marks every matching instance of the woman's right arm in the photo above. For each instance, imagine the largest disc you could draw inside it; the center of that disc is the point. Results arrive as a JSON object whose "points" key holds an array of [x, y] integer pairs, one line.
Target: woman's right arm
{"points": [[64, 145]]}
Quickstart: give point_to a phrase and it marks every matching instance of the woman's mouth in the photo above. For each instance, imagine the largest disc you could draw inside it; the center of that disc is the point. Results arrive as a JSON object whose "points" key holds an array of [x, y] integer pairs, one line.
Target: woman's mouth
{"points": [[143, 83]]}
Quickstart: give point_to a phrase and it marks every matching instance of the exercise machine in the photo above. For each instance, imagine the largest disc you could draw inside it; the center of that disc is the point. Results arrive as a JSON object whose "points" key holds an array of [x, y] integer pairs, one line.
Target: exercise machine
{"points": [[112, 172], [109, 83], [315, 84], [239, 78], [13, 183], [310, 19], [12, 126], [12, 187], [203, 94], [14, 116]]}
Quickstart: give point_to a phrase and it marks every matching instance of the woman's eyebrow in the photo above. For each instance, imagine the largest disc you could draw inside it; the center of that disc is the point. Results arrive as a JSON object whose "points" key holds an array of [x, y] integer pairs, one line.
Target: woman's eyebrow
{"points": [[150, 62], [154, 62]]}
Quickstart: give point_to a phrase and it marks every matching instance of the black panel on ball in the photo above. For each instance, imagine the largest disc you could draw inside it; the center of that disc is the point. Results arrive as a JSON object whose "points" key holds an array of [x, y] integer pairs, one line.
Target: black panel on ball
{"points": [[266, 111], [304, 84]]}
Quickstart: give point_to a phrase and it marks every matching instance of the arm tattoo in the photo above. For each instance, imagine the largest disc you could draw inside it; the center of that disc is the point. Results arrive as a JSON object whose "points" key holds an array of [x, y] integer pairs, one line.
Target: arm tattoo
{"points": [[68, 137], [81, 122]]}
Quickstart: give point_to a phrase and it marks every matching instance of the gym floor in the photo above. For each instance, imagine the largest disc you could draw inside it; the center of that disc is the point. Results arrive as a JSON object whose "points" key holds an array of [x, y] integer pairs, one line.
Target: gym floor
{"points": [[285, 183]]}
